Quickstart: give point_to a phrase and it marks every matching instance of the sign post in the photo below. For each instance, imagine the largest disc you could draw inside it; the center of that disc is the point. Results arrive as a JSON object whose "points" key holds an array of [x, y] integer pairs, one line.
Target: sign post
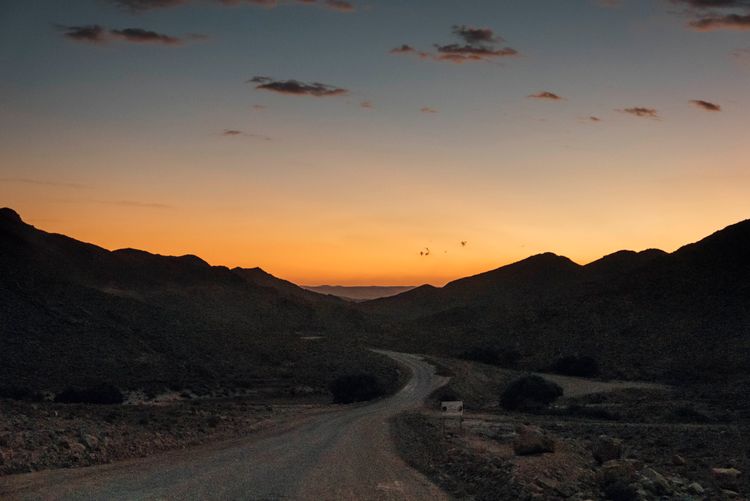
{"points": [[452, 409]]}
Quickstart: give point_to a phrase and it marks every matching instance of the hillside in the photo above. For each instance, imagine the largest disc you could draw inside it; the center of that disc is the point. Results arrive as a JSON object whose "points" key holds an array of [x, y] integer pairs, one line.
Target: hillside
{"points": [[75, 313], [677, 317]]}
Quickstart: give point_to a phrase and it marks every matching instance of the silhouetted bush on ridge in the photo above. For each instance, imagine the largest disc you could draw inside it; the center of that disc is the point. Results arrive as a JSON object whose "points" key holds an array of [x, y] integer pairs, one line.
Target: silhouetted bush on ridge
{"points": [[529, 392], [502, 357], [103, 394], [355, 388], [574, 365]]}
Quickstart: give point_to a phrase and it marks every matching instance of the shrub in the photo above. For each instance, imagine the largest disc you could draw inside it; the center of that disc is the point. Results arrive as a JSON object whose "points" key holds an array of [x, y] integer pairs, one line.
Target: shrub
{"points": [[355, 388], [620, 491], [530, 392], [20, 393], [573, 365], [103, 394], [688, 414]]}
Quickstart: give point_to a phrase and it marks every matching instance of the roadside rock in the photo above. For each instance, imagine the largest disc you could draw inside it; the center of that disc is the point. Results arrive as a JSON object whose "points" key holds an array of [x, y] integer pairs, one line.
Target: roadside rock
{"points": [[618, 470], [532, 440], [696, 488], [678, 460], [656, 482], [726, 478], [90, 441], [606, 448]]}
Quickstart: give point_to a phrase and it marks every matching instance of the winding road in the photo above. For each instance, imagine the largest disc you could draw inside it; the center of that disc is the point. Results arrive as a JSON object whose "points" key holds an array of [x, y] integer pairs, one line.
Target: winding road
{"points": [[342, 455]]}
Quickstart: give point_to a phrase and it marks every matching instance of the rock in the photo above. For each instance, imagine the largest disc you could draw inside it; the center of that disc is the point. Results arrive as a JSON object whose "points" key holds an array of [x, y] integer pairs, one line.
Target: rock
{"points": [[617, 470], [659, 484], [695, 488], [532, 440], [90, 441], [726, 478], [678, 460], [730, 494], [606, 449]]}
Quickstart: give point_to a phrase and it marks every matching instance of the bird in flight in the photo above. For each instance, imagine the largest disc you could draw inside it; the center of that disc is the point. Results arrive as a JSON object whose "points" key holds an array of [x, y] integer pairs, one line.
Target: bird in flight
{"points": [[463, 243]]}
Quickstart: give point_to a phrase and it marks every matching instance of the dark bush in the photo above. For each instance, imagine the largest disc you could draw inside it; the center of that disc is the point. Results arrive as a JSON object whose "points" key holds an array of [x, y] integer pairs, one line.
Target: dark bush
{"points": [[530, 392], [492, 355], [573, 365], [688, 414], [103, 394], [586, 411], [620, 491], [355, 388], [20, 393]]}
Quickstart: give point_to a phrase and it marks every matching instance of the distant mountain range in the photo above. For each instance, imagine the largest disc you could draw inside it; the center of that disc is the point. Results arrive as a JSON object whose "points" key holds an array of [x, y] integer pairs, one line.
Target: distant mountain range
{"points": [[358, 293], [651, 314], [75, 313]]}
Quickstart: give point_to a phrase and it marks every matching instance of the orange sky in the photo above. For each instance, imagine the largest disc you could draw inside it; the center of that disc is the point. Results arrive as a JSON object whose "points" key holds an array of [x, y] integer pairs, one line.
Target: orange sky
{"points": [[122, 142]]}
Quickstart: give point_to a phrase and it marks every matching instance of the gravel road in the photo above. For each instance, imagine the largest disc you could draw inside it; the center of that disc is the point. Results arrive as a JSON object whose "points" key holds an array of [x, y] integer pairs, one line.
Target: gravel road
{"points": [[345, 454]]}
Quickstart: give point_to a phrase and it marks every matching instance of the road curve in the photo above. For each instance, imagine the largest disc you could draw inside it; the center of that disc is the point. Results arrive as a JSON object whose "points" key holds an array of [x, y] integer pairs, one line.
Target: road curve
{"points": [[347, 454]]}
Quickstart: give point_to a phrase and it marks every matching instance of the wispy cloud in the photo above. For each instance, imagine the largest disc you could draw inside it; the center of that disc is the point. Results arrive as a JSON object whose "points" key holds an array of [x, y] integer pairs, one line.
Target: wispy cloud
{"points": [[241, 133], [705, 105], [642, 112], [366, 104], [40, 182], [476, 45], [134, 203], [297, 88], [428, 109], [336, 5], [99, 35], [137, 6], [546, 95]]}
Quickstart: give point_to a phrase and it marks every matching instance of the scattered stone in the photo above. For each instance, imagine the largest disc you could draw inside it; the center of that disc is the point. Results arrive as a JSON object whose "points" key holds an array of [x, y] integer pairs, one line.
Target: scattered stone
{"points": [[532, 440], [618, 470], [606, 449], [696, 488], [678, 460], [90, 441], [726, 478], [657, 482]]}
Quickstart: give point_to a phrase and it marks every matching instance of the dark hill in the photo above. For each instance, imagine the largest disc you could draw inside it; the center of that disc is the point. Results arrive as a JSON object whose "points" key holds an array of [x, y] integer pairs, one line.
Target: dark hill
{"points": [[75, 313], [677, 316]]}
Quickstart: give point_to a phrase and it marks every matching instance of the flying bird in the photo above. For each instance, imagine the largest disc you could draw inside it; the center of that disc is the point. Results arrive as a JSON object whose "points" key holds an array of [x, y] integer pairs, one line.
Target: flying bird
{"points": [[463, 243], [425, 252]]}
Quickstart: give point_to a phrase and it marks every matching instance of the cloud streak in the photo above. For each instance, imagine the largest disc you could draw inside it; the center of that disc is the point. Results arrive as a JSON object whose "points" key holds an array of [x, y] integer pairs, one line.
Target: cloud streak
{"points": [[297, 88], [715, 15], [138, 6], [240, 133], [641, 112], [545, 95], [705, 105], [99, 35]]}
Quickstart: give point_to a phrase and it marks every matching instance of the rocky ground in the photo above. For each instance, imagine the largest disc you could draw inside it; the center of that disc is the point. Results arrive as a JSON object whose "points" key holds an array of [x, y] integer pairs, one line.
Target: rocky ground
{"points": [[43, 435], [599, 441]]}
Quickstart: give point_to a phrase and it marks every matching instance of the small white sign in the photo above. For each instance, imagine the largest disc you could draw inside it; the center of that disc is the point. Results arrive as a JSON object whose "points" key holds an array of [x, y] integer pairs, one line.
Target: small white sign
{"points": [[452, 408]]}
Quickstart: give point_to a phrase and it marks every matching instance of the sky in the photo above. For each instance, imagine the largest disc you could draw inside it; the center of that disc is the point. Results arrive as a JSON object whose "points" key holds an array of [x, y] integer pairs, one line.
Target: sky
{"points": [[376, 142]]}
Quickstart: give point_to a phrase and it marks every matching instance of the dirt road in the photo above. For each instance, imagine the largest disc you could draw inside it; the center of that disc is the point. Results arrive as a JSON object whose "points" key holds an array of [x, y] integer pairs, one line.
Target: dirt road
{"points": [[347, 454]]}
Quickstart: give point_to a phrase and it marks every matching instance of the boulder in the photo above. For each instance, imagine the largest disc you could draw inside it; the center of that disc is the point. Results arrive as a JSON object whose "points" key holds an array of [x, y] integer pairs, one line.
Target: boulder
{"points": [[726, 478], [90, 441], [657, 483], [532, 440], [696, 488], [606, 449], [618, 470], [678, 460]]}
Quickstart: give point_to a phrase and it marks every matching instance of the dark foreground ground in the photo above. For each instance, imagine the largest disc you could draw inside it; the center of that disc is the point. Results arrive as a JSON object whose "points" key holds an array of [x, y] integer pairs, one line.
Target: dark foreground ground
{"points": [[343, 454], [672, 439]]}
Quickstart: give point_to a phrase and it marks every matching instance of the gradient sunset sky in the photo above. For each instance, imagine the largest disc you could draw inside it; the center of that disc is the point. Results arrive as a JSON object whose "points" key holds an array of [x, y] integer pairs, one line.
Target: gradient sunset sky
{"points": [[334, 142]]}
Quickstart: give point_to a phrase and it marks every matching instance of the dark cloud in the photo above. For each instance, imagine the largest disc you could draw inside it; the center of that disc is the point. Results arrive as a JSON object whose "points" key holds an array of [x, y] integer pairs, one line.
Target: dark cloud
{"points": [[134, 203], [705, 105], [551, 96], [726, 22], [138, 35], [295, 87], [472, 35], [100, 35], [642, 112], [428, 109], [592, 118], [136, 6], [340, 5], [713, 15], [366, 105], [262, 3], [477, 44], [337, 5], [90, 33]]}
